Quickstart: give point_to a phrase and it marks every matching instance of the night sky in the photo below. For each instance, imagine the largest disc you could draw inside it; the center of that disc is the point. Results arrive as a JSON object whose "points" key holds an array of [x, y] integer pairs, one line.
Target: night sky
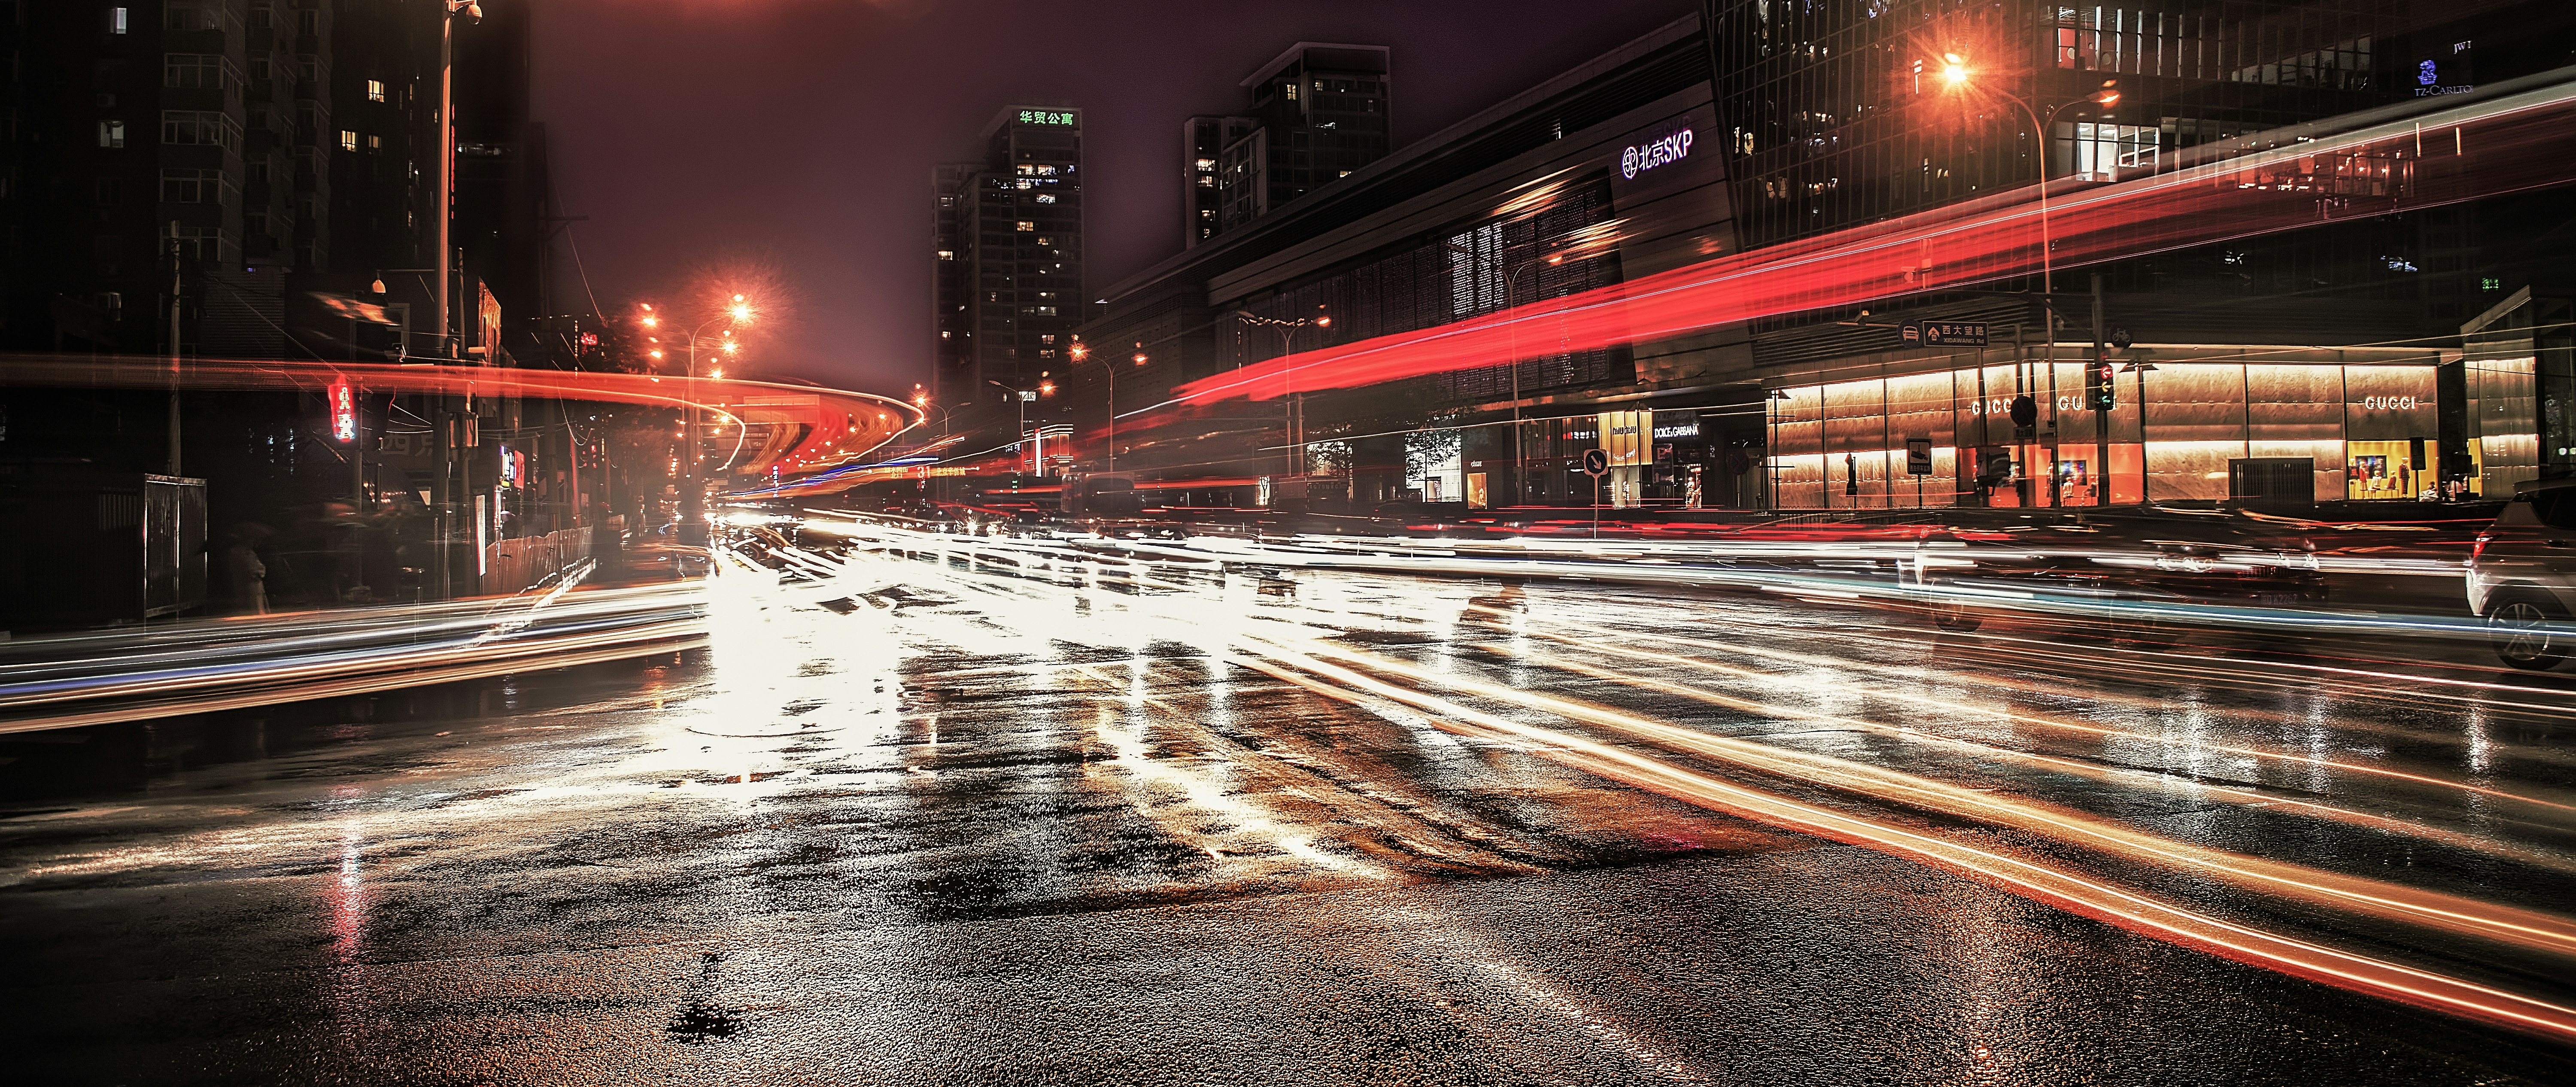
{"points": [[789, 143]]}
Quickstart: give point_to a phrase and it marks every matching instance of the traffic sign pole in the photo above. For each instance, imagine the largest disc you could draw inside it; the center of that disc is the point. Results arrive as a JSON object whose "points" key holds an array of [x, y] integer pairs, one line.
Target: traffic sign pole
{"points": [[2102, 405], [1596, 463]]}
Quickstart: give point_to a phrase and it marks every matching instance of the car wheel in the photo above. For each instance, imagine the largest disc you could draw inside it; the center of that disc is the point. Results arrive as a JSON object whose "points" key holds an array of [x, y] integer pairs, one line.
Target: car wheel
{"points": [[1951, 615], [2519, 630]]}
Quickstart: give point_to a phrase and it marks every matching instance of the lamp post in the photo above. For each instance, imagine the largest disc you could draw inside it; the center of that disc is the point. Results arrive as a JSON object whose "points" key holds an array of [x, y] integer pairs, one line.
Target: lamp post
{"points": [[1081, 352], [473, 12], [693, 494], [1956, 73], [1295, 455], [1023, 398]]}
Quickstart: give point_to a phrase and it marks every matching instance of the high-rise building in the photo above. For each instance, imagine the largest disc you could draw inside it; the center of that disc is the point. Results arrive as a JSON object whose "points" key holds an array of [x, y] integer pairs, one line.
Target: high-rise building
{"points": [[1009, 256], [1203, 141], [294, 145], [1319, 111]]}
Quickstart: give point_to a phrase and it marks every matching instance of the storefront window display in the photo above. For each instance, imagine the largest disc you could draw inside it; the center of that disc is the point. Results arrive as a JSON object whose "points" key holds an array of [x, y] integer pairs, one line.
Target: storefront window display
{"points": [[2180, 431]]}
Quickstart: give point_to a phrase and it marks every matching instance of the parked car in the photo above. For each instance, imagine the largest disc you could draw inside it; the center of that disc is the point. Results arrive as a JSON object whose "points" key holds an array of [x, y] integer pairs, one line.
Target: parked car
{"points": [[2522, 576]]}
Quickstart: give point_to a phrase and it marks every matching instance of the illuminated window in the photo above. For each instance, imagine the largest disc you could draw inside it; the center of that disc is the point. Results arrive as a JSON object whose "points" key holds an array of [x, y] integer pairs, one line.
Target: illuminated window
{"points": [[348, 140], [1024, 225], [1046, 198], [375, 143], [116, 23], [375, 90], [948, 254], [111, 133], [1207, 181], [1207, 164]]}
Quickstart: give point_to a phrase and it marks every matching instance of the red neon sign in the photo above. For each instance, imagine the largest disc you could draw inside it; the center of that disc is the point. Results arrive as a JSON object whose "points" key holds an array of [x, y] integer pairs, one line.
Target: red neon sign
{"points": [[344, 413]]}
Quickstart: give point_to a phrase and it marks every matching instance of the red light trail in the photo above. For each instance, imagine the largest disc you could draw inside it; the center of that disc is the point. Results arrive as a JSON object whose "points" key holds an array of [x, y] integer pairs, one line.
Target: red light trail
{"points": [[2511, 143], [838, 427]]}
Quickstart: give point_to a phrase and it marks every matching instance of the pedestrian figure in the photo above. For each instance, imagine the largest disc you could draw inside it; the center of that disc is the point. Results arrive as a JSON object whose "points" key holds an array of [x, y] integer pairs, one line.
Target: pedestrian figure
{"points": [[247, 575]]}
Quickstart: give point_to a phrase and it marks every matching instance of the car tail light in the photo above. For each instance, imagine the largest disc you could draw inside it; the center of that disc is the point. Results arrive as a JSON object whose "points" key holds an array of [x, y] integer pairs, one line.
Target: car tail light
{"points": [[2481, 546]]}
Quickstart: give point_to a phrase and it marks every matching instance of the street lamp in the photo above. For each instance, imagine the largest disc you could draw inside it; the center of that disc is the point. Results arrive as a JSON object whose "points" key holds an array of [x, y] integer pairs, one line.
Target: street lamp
{"points": [[1025, 397], [693, 499], [1080, 352], [1956, 73], [473, 13], [1290, 423]]}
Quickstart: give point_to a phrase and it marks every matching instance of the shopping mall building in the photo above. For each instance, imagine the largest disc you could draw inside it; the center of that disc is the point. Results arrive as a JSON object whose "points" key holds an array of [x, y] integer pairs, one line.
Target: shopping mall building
{"points": [[2385, 356]]}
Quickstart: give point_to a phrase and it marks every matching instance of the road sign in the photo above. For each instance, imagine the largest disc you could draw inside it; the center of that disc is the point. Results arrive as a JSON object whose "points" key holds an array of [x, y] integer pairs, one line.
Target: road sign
{"points": [[1910, 333], [1918, 456], [1954, 334], [1596, 462]]}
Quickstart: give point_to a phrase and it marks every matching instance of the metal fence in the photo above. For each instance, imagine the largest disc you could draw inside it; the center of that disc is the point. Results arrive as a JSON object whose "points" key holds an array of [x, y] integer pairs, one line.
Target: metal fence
{"points": [[512, 565]]}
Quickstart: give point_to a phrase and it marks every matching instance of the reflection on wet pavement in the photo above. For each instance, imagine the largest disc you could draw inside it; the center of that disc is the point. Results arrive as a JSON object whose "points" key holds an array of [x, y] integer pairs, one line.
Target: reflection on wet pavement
{"points": [[995, 815]]}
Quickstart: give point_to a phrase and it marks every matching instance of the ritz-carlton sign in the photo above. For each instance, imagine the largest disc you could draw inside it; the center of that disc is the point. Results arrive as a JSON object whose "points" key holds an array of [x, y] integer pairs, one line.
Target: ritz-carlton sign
{"points": [[1641, 157]]}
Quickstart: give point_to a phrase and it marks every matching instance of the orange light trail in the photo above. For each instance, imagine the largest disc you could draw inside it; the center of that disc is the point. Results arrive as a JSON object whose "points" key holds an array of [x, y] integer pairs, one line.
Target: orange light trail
{"points": [[2054, 723], [2071, 893]]}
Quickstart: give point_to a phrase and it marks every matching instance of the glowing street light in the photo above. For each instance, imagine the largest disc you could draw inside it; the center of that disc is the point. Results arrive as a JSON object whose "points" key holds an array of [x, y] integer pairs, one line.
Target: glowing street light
{"points": [[1956, 72], [2107, 96]]}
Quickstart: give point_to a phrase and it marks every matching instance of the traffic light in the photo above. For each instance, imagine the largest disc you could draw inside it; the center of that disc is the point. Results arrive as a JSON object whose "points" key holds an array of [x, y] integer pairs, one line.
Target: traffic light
{"points": [[2099, 389]]}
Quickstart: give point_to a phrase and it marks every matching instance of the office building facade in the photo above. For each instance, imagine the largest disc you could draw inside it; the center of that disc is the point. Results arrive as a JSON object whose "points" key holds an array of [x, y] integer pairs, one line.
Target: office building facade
{"points": [[1203, 144], [2395, 347], [2315, 365], [1523, 202], [1007, 261], [1318, 112]]}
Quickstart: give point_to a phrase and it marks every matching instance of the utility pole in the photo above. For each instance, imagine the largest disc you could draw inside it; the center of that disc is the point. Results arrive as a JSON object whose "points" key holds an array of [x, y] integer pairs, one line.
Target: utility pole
{"points": [[177, 266]]}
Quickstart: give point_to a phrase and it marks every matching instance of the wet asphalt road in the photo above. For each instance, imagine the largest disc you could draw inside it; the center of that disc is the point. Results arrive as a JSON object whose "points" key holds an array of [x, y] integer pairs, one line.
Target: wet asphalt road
{"points": [[975, 823]]}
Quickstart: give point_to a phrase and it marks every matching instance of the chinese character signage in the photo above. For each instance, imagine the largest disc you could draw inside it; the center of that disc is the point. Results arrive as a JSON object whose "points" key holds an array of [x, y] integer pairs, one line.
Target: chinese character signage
{"points": [[1942, 334], [1046, 117]]}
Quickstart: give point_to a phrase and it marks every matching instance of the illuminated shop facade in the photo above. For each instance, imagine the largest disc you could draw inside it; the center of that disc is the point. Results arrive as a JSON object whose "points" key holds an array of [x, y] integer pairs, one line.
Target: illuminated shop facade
{"points": [[2191, 424]]}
